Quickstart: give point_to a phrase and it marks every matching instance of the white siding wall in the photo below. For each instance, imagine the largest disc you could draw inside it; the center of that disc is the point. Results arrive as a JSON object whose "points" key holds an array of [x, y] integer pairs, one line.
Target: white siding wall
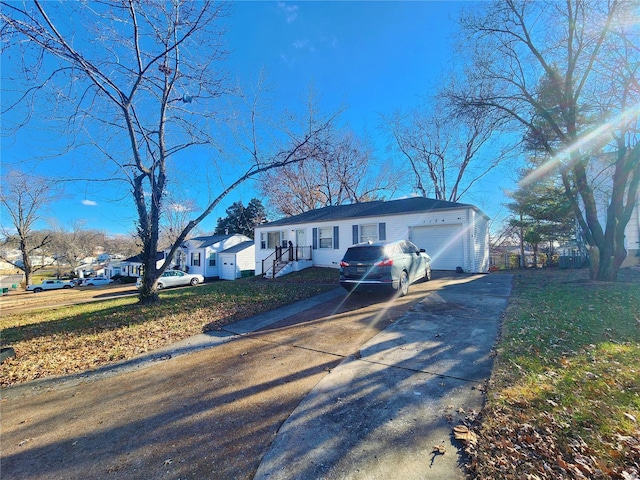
{"points": [[243, 260], [632, 237], [219, 247], [481, 243], [397, 227], [202, 267]]}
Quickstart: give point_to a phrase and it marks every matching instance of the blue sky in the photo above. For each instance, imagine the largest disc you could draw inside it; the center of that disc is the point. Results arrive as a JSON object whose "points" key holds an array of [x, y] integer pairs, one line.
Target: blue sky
{"points": [[373, 57]]}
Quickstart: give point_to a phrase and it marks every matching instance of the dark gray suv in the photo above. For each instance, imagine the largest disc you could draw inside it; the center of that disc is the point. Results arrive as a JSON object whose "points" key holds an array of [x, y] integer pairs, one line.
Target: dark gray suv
{"points": [[391, 265]]}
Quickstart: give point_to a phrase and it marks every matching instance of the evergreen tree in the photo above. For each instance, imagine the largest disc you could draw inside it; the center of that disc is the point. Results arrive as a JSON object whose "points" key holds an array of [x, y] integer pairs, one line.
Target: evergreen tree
{"points": [[543, 213], [241, 219]]}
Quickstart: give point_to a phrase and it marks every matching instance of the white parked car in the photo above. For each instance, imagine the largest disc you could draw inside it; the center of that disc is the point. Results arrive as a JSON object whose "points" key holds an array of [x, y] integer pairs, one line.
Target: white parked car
{"points": [[50, 285], [177, 278], [90, 282]]}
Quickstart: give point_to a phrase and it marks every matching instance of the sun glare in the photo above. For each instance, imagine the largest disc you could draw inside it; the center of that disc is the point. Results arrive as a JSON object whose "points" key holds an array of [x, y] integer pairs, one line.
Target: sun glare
{"points": [[584, 141]]}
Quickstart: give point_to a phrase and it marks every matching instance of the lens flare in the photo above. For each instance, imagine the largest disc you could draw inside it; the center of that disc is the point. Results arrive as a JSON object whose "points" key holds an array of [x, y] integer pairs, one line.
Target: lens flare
{"points": [[631, 114]]}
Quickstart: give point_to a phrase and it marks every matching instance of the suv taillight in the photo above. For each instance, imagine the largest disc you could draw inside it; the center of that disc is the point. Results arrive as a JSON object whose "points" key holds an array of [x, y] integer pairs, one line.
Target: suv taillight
{"points": [[385, 263], [343, 263]]}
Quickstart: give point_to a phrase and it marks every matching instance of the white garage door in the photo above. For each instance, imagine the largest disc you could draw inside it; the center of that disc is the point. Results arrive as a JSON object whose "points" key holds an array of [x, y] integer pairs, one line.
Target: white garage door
{"points": [[227, 267], [443, 244]]}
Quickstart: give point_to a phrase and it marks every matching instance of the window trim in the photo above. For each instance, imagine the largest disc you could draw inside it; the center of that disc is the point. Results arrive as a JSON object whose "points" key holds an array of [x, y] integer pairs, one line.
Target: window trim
{"points": [[325, 242]]}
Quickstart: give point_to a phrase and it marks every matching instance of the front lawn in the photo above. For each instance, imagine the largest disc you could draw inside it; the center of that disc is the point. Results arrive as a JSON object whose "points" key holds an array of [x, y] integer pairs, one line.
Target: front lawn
{"points": [[81, 337], [564, 397]]}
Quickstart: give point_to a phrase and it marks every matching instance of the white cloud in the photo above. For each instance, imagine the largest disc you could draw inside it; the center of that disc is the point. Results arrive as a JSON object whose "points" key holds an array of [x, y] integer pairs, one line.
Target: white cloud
{"points": [[288, 61], [178, 207], [89, 203], [290, 11], [332, 41], [304, 44], [300, 43]]}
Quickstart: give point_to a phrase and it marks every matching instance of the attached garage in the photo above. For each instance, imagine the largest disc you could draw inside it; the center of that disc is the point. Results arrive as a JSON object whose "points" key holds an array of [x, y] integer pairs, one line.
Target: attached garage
{"points": [[443, 243], [237, 261]]}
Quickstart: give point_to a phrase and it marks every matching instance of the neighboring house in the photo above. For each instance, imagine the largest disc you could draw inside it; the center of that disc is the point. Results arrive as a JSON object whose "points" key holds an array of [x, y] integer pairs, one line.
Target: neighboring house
{"points": [[237, 261], [200, 254], [453, 234], [112, 267], [132, 266], [632, 238]]}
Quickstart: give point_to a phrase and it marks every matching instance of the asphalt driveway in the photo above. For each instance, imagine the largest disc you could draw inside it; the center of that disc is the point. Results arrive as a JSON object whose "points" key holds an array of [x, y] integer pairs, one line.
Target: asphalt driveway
{"points": [[333, 387]]}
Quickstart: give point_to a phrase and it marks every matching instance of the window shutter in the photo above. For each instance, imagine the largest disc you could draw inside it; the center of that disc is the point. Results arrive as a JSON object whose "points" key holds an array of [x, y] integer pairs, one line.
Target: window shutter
{"points": [[315, 238], [336, 239], [382, 231], [354, 229]]}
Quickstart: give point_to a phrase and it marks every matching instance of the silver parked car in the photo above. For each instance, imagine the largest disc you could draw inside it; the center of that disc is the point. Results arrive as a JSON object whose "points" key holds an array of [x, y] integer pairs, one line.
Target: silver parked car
{"points": [[391, 265], [177, 278]]}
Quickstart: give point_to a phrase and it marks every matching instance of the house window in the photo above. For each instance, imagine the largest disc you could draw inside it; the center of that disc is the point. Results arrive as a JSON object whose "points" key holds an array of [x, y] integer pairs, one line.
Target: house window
{"points": [[270, 240], [212, 259], [369, 232], [325, 237], [195, 259]]}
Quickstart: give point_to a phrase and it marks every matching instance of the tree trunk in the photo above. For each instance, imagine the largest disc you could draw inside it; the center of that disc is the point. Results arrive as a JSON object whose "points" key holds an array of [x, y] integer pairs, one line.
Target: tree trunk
{"points": [[610, 258]]}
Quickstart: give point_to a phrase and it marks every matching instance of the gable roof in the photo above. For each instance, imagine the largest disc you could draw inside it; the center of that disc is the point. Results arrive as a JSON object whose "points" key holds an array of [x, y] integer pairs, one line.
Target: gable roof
{"points": [[239, 247], [138, 258], [368, 209], [207, 241]]}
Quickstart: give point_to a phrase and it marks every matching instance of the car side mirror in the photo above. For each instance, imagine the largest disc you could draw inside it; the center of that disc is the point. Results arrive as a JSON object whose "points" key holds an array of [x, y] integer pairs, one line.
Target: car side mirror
{"points": [[422, 250]]}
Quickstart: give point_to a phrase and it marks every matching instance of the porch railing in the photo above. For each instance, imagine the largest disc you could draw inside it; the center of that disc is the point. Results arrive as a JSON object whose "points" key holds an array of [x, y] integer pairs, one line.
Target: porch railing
{"points": [[282, 256]]}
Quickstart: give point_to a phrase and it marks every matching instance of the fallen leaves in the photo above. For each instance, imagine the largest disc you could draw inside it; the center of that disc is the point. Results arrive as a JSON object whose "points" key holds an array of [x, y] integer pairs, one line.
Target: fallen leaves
{"points": [[462, 432], [84, 337], [569, 412]]}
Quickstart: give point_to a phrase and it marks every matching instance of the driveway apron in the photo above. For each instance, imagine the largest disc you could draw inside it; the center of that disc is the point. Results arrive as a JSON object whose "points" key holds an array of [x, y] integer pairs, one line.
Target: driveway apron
{"points": [[335, 387]]}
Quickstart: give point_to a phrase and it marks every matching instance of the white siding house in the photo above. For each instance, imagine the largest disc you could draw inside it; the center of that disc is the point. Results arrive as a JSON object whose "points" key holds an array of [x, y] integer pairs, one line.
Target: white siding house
{"points": [[132, 266], [200, 254], [236, 260], [453, 234], [632, 237]]}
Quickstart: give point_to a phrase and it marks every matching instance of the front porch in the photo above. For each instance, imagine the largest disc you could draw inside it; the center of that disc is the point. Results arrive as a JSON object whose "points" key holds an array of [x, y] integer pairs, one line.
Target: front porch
{"points": [[286, 260]]}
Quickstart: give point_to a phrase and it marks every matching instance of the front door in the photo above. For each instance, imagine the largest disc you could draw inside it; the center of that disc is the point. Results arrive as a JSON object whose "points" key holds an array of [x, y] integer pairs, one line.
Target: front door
{"points": [[301, 242]]}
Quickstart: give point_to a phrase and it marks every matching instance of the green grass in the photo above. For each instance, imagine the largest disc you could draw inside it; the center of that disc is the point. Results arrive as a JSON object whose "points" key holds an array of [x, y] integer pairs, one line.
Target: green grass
{"points": [[76, 338], [566, 384]]}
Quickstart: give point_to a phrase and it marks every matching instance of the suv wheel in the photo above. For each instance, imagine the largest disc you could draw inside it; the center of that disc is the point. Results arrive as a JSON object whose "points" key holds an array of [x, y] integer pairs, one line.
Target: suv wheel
{"points": [[403, 287]]}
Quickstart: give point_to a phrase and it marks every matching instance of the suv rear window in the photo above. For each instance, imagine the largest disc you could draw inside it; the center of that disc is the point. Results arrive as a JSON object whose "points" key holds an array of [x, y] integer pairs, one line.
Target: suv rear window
{"points": [[364, 254]]}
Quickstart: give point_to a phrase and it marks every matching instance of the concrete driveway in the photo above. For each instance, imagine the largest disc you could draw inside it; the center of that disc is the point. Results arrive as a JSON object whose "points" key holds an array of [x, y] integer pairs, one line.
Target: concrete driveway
{"points": [[333, 387]]}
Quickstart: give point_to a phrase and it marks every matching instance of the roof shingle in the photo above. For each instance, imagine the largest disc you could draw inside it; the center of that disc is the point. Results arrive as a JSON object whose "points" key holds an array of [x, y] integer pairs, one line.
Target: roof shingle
{"points": [[368, 209]]}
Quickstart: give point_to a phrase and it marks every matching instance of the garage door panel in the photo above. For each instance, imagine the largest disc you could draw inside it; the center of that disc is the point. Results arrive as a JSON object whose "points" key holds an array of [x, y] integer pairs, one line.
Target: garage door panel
{"points": [[443, 243], [227, 268]]}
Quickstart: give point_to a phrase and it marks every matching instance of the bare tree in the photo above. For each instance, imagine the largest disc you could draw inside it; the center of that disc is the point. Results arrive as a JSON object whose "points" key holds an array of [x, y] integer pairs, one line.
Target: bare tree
{"points": [[448, 151], [123, 245], [344, 171], [71, 246], [178, 214], [143, 81], [24, 200], [565, 73]]}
